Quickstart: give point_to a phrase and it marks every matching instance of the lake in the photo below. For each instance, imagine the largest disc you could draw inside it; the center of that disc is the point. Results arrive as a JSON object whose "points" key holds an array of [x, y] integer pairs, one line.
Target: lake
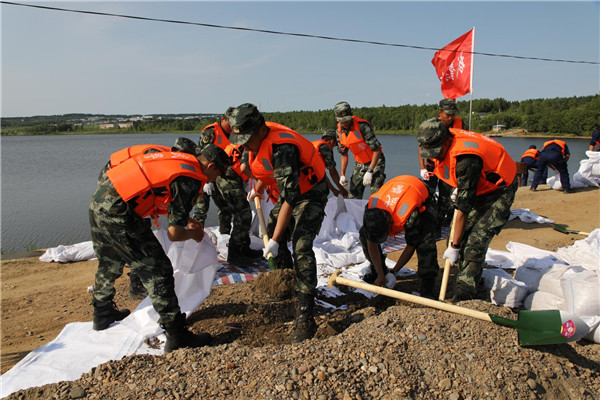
{"points": [[47, 181]]}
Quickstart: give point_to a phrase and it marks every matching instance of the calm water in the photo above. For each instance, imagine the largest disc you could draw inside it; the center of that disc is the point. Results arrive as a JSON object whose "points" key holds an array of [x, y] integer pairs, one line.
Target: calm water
{"points": [[47, 181]]}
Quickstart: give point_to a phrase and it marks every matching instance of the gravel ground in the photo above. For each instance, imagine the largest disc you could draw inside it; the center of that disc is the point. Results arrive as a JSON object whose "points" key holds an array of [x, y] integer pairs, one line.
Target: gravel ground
{"points": [[378, 348]]}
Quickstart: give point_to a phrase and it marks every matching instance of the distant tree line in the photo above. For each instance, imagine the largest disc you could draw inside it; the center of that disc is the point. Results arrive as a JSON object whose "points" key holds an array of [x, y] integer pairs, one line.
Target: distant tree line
{"points": [[572, 115]]}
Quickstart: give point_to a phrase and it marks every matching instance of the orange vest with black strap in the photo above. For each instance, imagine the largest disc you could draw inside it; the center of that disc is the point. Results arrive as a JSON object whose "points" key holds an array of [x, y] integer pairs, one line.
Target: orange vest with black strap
{"points": [[312, 169], [354, 141], [558, 142], [497, 162], [129, 152], [400, 196], [145, 179], [234, 152], [533, 153]]}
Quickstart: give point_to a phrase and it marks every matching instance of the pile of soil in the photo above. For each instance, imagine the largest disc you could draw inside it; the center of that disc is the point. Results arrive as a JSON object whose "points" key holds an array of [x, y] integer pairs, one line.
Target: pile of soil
{"points": [[378, 348]]}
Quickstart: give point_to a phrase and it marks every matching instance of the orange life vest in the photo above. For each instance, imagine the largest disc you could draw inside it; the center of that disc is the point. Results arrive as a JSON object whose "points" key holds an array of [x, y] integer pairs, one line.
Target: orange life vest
{"points": [[272, 192], [496, 160], [558, 142], [125, 154], [146, 178], [312, 169], [400, 196], [354, 141], [533, 153], [233, 151]]}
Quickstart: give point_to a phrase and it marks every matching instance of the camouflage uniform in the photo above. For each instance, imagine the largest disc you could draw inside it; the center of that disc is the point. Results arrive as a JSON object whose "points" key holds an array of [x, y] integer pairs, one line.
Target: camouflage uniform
{"points": [[121, 236], [357, 188], [308, 214], [327, 154], [230, 198], [486, 216]]}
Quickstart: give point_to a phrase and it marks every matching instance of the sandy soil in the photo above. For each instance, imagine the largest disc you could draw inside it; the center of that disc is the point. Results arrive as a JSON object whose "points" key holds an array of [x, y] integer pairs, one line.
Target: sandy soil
{"points": [[39, 298]]}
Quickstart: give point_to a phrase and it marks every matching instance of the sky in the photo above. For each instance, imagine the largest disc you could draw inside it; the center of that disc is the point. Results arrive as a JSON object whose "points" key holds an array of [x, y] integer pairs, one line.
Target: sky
{"points": [[58, 62]]}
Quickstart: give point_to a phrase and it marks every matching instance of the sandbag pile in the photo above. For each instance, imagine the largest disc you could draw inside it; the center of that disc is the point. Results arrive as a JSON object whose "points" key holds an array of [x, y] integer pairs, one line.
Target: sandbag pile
{"points": [[567, 280]]}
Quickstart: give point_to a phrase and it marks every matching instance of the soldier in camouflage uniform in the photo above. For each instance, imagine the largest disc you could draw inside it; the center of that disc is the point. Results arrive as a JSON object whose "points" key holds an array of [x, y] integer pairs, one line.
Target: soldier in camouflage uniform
{"points": [[325, 145], [136, 288], [357, 135], [484, 174], [229, 195], [121, 234], [282, 156]]}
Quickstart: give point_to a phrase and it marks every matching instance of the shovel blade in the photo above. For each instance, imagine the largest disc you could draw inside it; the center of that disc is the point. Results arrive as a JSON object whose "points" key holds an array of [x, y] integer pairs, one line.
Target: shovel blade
{"points": [[545, 327]]}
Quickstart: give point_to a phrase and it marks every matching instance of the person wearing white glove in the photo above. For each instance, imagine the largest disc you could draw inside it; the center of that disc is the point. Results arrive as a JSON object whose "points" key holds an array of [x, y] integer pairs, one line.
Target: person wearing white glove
{"points": [[451, 253], [209, 188], [454, 195], [424, 174], [343, 180], [368, 178], [271, 247]]}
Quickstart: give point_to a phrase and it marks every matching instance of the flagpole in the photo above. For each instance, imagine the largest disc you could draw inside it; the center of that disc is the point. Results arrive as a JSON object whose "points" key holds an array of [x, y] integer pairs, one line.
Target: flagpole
{"points": [[472, 62]]}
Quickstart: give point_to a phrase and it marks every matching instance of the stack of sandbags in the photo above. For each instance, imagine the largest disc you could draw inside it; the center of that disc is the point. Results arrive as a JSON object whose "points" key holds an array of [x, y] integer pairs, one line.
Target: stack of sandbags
{"points": [[587, 175]]}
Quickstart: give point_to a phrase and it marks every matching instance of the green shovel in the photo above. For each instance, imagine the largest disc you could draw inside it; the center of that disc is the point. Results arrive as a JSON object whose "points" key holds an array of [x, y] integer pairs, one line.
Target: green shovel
{"points": [[533, 327], [563, 228]]}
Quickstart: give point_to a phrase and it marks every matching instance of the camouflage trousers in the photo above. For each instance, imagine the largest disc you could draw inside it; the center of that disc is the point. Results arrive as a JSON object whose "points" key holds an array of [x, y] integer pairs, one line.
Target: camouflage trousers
{"points": [[231, 199], [304, 226], [357, 188], [486, 219], [121, 237], [443, 204]]}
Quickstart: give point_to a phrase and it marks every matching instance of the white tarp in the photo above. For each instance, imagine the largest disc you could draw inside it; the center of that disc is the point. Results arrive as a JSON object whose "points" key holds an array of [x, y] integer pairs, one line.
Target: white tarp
{"points": [[587, 175], [78, 348]]}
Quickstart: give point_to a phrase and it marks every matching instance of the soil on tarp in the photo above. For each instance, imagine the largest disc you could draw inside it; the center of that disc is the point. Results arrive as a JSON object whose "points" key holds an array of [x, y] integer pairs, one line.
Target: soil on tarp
{"points": [[377, 348]]}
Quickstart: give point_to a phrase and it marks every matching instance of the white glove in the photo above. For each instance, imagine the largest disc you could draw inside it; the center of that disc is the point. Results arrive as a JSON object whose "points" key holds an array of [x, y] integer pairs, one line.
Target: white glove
{"points": [[271, 247], [424, 174], [251, 195], [343, 181], [451, 254], [454, 194], [368, 178], [209, 188]]}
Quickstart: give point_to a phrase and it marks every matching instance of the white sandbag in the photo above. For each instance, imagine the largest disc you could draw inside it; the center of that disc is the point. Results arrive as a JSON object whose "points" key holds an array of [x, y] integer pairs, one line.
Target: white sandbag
{"points": [[504, 289], [543, 301], [530, 276], [584, 252], [550, 279], [594, 324], [581, 292], [72, 253]]}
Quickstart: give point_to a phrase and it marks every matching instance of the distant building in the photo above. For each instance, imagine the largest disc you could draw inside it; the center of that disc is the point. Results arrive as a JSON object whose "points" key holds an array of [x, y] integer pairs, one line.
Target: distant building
{"points": [[498, 128], [108, 125]]}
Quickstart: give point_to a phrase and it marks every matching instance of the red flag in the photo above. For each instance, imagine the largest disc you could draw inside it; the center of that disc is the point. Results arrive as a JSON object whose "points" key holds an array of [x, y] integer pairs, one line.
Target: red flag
{"points": [[453, 66]]}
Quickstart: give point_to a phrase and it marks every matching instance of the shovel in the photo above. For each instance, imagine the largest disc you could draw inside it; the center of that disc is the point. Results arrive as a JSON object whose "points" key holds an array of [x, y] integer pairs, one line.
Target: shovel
{"points": [[263, 226], [563, 228], [533, 327], [447, 265]]}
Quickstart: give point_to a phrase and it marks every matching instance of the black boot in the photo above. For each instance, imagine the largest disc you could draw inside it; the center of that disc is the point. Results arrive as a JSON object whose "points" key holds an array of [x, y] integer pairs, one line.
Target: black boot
{"points": [[427, 288], [243, 256], [105, 313], [306, 327], [179, 336], [137, 291]]}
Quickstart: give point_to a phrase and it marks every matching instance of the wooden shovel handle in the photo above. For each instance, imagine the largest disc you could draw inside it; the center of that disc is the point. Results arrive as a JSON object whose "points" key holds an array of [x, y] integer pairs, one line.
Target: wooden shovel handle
{"points": [[263, 226], [335, 279], [447, 265]]}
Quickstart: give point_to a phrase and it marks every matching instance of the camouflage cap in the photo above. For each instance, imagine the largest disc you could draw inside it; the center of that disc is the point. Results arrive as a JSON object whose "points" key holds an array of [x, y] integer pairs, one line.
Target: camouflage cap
{"points": [[375, 223], [431, 137], [343, 112], [217, 155], [329, 134], [448, 106], [245, 120], [184, 145]]}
